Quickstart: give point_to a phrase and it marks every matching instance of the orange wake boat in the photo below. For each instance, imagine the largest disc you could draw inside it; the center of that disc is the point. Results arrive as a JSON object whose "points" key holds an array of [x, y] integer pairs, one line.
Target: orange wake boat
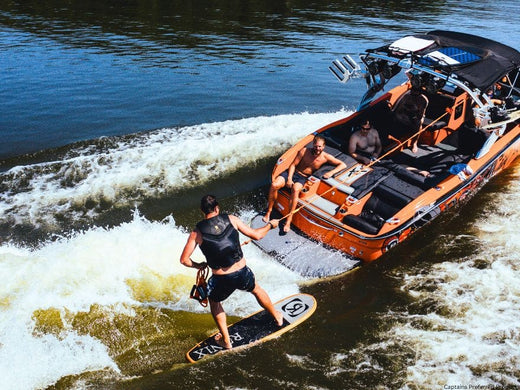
{"points": [[467, 136]]}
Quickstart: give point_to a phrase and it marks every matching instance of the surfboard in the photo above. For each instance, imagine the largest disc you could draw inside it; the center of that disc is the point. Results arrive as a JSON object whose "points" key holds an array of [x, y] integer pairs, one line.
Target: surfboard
{"points": [[487, 145], [499, 127], [258, 327]]}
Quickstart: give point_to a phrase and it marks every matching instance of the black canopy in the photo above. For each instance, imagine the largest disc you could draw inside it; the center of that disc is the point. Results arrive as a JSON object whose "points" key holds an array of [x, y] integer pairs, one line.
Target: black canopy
{"points": [[496, 59]]}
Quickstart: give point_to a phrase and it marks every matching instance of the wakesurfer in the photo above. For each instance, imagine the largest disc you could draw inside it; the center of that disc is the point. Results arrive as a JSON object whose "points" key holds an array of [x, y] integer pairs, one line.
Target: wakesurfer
{"points": [[218, 238]]}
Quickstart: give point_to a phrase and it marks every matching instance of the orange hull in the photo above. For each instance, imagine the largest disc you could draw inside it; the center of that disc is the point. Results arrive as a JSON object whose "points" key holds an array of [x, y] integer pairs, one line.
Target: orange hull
{"points": [[465, 139], [332, 232]]}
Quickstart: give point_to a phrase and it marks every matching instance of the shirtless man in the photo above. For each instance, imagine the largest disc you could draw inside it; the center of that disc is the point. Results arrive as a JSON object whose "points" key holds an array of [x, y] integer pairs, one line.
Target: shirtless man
{"points": [[364, 145], [409, 115], [304, 164]]}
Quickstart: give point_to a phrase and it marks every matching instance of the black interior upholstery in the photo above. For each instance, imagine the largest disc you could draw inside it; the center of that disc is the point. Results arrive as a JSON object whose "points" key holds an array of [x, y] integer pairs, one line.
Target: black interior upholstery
{"points": [[384, 203]]}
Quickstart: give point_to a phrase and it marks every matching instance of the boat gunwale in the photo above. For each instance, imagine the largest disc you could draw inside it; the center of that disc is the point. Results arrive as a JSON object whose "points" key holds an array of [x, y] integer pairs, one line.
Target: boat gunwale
{"points": [[477, 175]]}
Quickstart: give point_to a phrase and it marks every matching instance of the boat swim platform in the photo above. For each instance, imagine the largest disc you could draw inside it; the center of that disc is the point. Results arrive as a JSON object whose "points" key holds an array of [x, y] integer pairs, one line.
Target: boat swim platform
{"points": [[300, 254]]}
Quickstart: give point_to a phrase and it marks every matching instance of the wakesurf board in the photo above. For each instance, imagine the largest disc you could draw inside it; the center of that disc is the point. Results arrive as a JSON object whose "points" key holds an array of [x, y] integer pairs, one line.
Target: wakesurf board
{"points": [[258, 327]]}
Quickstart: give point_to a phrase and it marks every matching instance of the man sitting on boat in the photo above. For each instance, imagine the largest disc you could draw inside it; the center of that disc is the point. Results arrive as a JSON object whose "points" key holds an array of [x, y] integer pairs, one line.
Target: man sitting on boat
{"points": [[307, 161], [364, 145]]}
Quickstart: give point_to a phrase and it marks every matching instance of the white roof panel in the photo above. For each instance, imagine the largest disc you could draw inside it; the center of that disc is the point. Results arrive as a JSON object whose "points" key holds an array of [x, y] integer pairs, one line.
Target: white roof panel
{"points": [[410, 44]]}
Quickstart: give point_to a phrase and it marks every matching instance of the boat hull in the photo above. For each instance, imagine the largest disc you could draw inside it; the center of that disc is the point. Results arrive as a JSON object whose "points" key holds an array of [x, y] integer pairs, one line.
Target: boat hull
{"points": [[434, 141], [367, 248]]}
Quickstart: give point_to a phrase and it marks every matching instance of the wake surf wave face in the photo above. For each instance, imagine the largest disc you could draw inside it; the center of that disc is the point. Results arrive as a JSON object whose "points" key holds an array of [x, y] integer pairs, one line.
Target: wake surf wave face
{"points": [[98, 300], [124, 171], [109, 300]]}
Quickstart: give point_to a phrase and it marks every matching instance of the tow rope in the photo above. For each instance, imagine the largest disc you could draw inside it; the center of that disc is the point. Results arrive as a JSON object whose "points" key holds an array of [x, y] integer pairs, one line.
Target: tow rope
{"points": [[199, 291]]}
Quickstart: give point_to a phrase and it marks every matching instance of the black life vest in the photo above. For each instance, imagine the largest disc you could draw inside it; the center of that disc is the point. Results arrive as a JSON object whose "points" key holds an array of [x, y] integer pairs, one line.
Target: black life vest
{"points": [[220, 242]]}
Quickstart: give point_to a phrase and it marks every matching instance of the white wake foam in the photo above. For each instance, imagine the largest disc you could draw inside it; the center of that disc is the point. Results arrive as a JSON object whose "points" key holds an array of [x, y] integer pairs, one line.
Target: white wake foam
{"points": [[467, 330], [148, 165], [99, 267]]}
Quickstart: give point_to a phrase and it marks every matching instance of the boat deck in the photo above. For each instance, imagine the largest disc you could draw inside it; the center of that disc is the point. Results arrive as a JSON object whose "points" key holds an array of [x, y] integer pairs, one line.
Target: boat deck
{"points": [[300, 254], [392, 183], [405, 165]]}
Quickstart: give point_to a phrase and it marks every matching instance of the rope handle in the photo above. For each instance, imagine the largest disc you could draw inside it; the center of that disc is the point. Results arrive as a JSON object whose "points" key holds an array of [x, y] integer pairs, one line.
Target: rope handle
{"points": [[199, 291], [202, 273]]}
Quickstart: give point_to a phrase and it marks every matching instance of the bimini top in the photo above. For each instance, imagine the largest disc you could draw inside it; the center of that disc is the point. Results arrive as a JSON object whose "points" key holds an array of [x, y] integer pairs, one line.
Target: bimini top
{"points": [[478, 61]]}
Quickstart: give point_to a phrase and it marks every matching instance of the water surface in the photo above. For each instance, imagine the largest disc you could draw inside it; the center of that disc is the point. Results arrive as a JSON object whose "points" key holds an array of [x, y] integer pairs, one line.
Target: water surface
{"points": [[116, 117]]}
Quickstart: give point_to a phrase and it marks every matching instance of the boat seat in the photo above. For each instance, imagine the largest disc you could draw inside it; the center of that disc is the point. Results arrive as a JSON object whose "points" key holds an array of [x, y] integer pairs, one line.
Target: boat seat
{"points": [[407, 181], [325, 208], [383, 204], [330, 150], [342, 187], [435, 126], [395, 196], [371, 180]]}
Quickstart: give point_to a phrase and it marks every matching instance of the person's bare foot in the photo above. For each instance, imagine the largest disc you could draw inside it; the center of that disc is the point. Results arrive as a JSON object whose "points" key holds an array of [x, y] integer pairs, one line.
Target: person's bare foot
{"points": [[279, 318], [266, 218], [220, 341], [287, 227]]}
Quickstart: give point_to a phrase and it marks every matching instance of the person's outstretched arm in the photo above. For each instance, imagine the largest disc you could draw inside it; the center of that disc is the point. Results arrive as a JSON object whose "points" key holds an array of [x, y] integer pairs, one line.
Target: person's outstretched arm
{"points": [[255, 234]]}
